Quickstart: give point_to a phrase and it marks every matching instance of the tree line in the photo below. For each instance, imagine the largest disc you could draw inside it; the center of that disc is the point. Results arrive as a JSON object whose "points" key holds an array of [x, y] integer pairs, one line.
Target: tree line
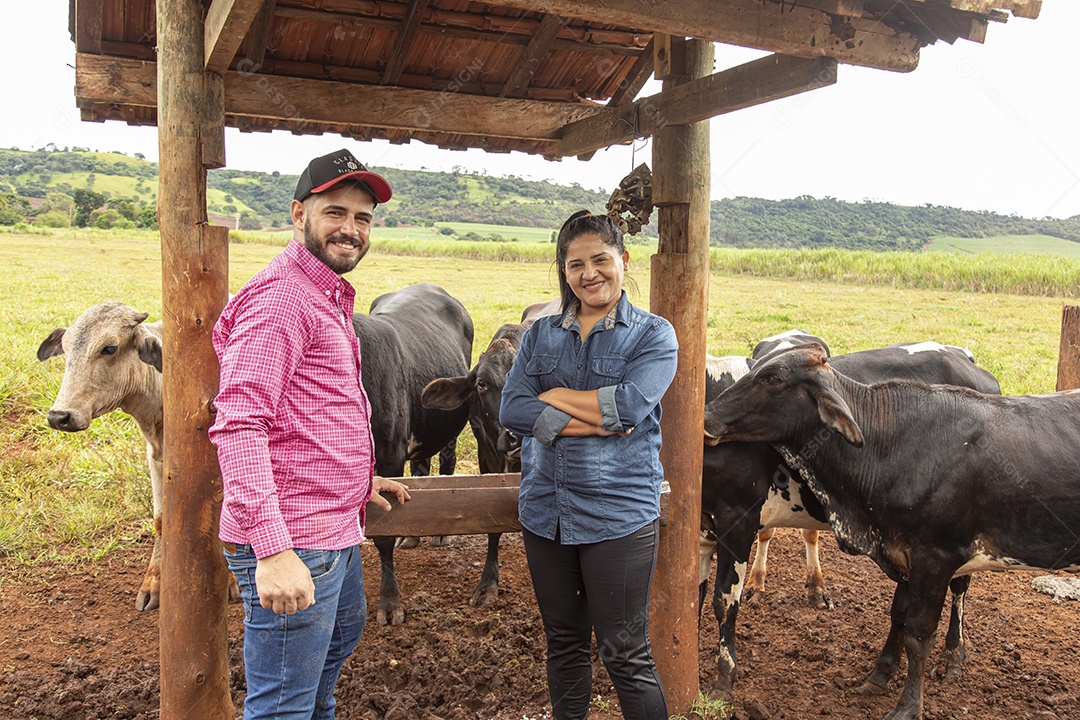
{"points": [[423, 197]]}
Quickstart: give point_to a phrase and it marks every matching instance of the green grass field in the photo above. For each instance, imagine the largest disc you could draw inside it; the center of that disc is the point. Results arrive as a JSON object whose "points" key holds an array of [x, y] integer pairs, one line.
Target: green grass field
{"points": [[76, 496], [1009, 245], [509, 232]]}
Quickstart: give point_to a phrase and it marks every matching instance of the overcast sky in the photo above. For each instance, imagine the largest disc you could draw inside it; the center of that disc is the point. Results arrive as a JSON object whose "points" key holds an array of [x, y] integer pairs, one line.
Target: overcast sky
{"points": [[982, 127]]}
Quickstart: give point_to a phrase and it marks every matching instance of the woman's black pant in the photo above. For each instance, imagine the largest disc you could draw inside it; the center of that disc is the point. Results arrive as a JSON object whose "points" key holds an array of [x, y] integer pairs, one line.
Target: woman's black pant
{"points": [[604, 587]]}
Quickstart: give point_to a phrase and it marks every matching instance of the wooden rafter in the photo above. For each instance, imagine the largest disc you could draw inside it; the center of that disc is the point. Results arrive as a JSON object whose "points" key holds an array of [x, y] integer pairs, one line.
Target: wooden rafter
{"points": [[89, 19], [258, 37], [629, 88], [410, 26], [760, 81], [471, 26], [538, 47], [225, 27], [788, 28], [133, 83]]}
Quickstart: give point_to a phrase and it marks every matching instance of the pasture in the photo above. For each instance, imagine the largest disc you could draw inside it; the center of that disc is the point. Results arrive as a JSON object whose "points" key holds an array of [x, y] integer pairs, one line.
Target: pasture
{"points": [[75, 508]]}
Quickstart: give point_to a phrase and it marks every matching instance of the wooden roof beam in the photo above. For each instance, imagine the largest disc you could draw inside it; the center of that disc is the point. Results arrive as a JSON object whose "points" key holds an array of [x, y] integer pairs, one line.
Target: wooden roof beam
{"points": [[760, 81], [535, 51], [406, 38], [471, 26], [300, 101], [788, 28], [89, 20], [227, 23], [258, 36], [631, 84]]}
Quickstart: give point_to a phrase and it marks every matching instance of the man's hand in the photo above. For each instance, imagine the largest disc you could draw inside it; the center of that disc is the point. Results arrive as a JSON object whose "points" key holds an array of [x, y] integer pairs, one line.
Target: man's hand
{"points": [[381, 484], [284, 583]]}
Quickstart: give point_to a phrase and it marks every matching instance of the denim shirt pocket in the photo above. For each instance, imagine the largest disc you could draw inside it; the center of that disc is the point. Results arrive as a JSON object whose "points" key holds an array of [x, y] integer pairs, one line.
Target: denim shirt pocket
{"points": [[609, 366], [542, 367]]}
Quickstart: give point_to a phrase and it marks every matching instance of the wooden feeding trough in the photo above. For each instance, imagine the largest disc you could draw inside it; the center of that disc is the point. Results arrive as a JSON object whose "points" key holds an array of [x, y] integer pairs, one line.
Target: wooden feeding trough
{"points": [[458, 505]]}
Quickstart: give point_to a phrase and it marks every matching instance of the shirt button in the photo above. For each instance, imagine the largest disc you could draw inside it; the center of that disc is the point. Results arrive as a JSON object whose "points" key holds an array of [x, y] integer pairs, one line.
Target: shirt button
{"points": [[327, 293]]}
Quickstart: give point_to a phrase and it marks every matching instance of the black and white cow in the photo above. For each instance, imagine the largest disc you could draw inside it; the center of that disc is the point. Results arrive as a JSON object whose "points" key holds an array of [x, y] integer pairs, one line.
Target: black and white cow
{"points": [[408, 338], [748, 489], [480, 392], [932, 482]]}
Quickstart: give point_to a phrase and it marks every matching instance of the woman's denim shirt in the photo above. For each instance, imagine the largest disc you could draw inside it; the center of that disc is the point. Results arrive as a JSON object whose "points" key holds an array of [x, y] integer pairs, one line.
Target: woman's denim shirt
{"points": [[591, 488]]}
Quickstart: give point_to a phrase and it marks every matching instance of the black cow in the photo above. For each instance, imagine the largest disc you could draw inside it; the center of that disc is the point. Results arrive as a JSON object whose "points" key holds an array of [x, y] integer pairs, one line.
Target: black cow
{"points": [[932, 482], [748, 489], [408, 338], [480, 393]]}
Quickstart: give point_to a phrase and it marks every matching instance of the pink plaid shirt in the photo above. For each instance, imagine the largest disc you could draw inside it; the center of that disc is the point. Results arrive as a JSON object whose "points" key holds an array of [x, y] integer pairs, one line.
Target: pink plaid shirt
{"points": [[293, 426]]}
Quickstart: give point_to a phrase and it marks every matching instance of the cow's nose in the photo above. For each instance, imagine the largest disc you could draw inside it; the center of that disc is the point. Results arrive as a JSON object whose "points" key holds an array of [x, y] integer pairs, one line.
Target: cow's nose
{"points": [[60, 420]]}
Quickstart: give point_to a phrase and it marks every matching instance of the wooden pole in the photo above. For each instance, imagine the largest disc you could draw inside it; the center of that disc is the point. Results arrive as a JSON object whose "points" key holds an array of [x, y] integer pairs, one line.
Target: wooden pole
{"points": [[679, 292], [194, 263], [1068, 371]]}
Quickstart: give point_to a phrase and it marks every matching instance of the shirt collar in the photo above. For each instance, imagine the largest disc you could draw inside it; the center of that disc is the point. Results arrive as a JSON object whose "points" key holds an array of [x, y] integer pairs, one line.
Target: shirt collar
{"points": [[616, 314], [322, 276]]}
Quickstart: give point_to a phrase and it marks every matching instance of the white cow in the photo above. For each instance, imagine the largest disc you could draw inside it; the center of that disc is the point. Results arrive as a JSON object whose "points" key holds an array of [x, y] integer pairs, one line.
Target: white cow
{"points": [[113, 361]]}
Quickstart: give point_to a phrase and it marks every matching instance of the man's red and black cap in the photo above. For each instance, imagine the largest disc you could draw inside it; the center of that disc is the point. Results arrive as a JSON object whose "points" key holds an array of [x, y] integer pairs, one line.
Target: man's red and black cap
{"points": [[324, 172]]}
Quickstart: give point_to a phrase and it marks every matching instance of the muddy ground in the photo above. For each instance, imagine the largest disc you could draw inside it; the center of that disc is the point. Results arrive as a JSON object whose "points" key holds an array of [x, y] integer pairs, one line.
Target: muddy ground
{"points": [[72, 646]]}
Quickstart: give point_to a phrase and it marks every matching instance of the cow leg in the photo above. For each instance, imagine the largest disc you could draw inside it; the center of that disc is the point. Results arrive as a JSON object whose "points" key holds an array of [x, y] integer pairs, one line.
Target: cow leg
{"points": [[706, 550], [447, 465], [756, 583], [927, 588], [817, 595], [149, 595], [390, 610], [487, 589], [889, 658], [730, 573], [950, 666]]}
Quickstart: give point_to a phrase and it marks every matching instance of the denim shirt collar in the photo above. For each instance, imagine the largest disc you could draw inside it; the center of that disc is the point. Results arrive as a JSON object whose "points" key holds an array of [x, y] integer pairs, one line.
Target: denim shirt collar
{"points": [[617, 313]]}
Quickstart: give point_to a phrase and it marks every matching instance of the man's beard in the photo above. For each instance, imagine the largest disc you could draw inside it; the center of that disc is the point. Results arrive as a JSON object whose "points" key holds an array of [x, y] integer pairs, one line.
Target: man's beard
{"points": [[318, 248]]}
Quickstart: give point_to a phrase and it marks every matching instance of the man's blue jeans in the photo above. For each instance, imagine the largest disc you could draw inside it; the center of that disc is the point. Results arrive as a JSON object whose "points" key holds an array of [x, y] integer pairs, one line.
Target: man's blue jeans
{"points": [[292, 662]]}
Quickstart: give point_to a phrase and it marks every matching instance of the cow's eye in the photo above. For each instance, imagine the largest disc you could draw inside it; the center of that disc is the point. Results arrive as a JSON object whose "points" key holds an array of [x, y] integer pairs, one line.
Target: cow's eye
{"points": [[108, 350], [773, 380], [481, 385]]}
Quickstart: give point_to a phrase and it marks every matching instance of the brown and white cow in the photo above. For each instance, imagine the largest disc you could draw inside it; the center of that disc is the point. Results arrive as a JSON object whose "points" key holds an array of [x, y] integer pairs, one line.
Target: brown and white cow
{"points": [[113, 361]]}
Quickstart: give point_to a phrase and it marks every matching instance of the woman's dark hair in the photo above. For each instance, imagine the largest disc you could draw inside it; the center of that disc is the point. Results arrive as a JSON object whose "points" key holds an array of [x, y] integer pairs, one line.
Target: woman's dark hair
{"points": [[583, 223]]}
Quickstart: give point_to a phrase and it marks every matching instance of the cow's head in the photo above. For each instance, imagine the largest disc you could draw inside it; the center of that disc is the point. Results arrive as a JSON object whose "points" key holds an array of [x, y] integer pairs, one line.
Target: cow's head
{"points": [[482, 390], [785, 340], [107, 351], [786, 399]]}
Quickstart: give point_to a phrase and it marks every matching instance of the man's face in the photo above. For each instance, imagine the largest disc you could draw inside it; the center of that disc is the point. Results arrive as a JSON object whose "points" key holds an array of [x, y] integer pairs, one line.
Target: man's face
{"points": [[336, 225]]}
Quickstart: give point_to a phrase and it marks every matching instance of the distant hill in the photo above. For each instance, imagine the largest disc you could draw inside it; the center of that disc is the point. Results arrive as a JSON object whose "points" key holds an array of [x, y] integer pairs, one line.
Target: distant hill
{"points": [[261, 201]]}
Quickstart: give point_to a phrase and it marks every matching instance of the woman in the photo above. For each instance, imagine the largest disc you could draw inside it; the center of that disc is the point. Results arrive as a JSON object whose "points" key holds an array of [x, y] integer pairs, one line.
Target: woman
{"points": [[584, 393]]}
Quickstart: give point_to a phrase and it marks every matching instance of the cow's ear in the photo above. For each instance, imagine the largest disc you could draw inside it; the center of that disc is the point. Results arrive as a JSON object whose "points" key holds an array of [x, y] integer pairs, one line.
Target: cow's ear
{"points": [[139, 317], [52, 346], [149, 346], [446, 393], [834, 412]]}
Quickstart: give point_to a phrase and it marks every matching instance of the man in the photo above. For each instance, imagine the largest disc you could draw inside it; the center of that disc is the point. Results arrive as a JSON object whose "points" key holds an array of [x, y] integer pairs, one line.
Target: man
{"points": [[293, 436]]}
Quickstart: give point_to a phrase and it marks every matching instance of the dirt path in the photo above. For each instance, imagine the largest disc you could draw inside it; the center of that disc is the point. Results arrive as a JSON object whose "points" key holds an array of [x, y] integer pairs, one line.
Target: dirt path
{"points": [[72, 647]]}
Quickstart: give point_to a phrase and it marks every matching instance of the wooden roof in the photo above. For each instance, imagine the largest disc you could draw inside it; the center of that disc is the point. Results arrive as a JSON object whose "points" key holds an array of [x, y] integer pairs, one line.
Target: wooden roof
{"points": [[527, 75]]}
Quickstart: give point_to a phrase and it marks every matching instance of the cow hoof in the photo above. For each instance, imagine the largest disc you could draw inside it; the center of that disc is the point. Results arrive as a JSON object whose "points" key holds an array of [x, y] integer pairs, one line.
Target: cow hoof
{"points": [[750, 596], [949, 668], [819, 599], [484, 596], [408, 543], [871, 686], [396, 617], [442, 540], [146, 600]]}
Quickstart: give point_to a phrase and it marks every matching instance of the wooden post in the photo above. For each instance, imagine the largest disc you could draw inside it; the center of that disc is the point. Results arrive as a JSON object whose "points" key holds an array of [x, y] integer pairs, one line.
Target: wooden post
{"points": [[679, 292], [194, 260], [1068, 371]]}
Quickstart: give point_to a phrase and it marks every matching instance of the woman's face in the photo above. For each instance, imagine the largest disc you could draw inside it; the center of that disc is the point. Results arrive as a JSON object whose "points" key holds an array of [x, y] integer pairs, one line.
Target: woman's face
{"points": [[594, 271]]}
